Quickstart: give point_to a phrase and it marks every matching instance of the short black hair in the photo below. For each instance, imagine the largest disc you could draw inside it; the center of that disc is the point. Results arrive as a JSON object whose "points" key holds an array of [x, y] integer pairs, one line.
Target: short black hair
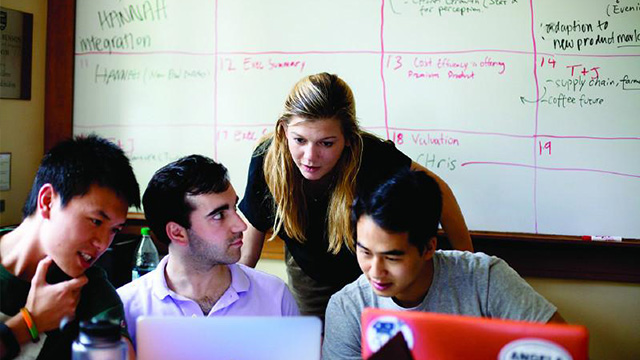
{"points": [[409, 201], [74, 165], [165, 199]]}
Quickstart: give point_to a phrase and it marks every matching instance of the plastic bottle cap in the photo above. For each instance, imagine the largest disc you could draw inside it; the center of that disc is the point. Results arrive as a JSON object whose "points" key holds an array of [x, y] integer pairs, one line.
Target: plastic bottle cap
{"points": [[101, 330], [145, 231]]}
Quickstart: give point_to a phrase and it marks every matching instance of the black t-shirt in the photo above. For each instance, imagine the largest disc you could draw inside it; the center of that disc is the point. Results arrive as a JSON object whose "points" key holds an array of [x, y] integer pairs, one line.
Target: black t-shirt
{"points": [[98, 299], [380, 160]]}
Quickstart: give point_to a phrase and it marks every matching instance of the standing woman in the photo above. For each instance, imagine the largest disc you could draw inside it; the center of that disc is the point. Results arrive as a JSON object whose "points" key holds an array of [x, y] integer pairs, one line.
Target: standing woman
{"points": [[303, 179]]}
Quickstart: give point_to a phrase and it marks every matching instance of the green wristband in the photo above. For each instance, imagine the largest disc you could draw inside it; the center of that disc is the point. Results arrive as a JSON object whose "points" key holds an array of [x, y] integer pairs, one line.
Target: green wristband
{"points": [[33, 330]]}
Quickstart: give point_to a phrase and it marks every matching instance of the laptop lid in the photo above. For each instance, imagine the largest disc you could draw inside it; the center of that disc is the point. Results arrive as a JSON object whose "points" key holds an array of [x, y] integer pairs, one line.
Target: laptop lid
{"points": [[229, 337], [444, 336]]}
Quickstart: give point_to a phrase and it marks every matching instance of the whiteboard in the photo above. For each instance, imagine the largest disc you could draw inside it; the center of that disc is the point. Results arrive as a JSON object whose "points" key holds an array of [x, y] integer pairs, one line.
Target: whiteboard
{"points": [[529, 110]]}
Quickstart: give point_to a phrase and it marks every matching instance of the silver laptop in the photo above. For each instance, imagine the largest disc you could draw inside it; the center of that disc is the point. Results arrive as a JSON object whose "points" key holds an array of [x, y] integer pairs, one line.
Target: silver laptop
{"points": [[229, 337]]}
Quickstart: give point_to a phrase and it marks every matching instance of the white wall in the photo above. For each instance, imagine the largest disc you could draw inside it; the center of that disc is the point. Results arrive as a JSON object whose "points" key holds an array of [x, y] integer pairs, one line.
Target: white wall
{"points": [[275, 267]]}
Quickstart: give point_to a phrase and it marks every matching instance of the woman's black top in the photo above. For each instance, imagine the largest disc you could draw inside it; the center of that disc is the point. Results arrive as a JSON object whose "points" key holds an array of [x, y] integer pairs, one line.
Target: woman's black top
{"points": [[380, 160]]}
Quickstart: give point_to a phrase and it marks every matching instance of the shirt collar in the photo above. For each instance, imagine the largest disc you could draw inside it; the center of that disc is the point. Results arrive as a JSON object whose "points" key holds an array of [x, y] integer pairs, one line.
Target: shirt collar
{"points": [[160, 288], [239, 280]]}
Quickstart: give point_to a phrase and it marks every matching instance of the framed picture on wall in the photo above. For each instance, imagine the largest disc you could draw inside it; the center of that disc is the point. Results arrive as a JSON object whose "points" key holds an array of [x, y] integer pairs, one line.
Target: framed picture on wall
{"points": [[5, 171], [16, 38]]}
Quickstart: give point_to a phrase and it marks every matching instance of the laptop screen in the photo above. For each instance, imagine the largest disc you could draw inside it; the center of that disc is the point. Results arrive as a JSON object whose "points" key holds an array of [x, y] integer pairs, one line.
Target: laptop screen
{"points": [[229, 337], [444, 336]]}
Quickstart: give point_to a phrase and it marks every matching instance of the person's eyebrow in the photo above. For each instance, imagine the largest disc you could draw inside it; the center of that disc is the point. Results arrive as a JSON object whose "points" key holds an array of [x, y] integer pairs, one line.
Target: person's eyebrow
{"points": [[218, 209], [394, 253], [106, 217], [390, 252], [332, 137]]}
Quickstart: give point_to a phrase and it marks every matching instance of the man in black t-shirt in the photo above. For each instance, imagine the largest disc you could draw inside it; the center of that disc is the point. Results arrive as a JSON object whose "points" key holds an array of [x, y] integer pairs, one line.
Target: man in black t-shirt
{"points": [[78, 202]]}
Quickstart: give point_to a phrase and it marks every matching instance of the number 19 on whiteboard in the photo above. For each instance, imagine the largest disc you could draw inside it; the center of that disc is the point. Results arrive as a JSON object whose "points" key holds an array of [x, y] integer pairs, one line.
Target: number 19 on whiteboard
{"points": [[544, 147]]}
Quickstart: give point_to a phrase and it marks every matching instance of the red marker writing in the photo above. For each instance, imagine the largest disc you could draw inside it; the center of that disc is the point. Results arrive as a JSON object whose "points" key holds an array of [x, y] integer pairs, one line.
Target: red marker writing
{"points": [[601, 238]]}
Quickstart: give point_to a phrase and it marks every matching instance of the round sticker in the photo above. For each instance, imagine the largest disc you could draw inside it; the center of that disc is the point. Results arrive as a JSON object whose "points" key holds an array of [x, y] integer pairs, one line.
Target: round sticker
{"points": [[533, 349], [383, 328]]}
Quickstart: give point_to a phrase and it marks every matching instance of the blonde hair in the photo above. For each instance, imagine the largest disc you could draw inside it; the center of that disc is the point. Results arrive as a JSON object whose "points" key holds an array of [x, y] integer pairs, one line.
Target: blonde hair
{"points": [[315, 97]]}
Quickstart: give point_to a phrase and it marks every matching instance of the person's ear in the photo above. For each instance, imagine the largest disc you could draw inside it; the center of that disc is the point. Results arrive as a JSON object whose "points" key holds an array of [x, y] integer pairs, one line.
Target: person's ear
{"points": [[177, 233], [429, 248], [46, 196]]}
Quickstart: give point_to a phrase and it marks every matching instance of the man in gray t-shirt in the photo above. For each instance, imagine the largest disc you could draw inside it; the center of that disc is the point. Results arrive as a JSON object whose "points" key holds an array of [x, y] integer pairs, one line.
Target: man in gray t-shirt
{"points": [[396, 228]]}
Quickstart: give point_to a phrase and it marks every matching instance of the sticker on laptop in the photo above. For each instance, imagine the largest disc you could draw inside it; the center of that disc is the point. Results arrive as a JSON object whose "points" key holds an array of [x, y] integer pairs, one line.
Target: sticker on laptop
{"points": [[533, 349], [383, 328]]}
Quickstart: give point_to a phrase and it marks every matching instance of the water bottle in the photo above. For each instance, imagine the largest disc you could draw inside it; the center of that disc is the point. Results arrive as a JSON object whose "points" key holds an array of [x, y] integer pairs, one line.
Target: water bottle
{"points": [[146, 257], [99, 340]]}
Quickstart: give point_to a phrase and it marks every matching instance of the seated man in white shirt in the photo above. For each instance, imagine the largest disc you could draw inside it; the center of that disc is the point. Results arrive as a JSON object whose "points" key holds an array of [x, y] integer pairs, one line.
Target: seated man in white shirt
{"points": [[191, 205], [402, 270]]}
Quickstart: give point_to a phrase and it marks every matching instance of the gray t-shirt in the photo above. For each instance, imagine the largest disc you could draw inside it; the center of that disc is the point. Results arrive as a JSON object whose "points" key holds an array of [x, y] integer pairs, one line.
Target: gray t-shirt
{"points": [[464, 283]]}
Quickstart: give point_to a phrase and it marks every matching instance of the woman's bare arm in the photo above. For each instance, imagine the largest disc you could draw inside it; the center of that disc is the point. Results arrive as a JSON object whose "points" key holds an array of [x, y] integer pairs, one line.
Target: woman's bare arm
{"points": [[253, 240]]}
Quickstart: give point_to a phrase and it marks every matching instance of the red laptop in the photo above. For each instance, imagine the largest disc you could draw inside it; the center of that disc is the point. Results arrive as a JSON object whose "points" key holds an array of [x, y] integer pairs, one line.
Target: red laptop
{"points": [[443, 336]]}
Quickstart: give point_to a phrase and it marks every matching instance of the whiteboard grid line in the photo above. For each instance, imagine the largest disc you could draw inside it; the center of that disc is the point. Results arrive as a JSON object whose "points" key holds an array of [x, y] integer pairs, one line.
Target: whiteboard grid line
{"points": [[215, 82], [384, 83], [537, 107], [343, 52], [535, 168], [454, 131]]}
